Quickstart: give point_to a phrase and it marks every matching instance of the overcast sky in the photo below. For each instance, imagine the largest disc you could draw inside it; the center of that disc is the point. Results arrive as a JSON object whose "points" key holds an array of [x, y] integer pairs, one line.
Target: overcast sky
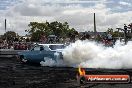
{"points": [[78, 13]]}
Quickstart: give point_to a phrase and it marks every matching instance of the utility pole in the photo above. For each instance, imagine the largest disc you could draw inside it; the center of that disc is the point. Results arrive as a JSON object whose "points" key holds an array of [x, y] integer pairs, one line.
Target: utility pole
{"points": [[5, 31], [125, 32], [130, 27], [95, 32], [5, 35], [94, 24], [5, 25]]}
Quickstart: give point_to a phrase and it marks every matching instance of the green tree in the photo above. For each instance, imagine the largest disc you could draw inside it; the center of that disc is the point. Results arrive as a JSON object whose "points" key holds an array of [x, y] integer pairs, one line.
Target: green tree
{"points": [[53, 28], [109, 30], [9, 35], [115, 33]]}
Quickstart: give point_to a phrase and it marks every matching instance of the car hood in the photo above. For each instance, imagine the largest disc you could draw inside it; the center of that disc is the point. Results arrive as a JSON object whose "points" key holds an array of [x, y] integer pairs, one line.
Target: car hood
{"points": [[23, 52], [58, 50]]}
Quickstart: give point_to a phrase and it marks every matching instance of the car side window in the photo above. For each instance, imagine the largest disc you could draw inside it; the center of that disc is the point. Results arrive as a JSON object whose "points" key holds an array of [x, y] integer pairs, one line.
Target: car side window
{"points": [[37, 48], [46, 48], [41, 48]]}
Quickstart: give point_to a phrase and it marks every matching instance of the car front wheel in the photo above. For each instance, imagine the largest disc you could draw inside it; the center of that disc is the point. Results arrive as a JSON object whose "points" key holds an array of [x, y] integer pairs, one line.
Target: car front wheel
{"points": [[23, 59]]}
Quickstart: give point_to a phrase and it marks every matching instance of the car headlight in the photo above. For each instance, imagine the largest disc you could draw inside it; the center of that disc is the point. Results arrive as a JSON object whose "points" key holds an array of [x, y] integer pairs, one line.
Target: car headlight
{"points": [[24, 60], [58, 55]]}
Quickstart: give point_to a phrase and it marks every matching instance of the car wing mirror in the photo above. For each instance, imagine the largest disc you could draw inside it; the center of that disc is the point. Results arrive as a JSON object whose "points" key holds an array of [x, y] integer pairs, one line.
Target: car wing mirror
{"points": [[32, 49]]}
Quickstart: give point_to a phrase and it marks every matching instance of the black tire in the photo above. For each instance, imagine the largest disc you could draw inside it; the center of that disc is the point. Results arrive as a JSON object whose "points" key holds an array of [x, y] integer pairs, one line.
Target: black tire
{"points": [[83, 80], [22, 58]]}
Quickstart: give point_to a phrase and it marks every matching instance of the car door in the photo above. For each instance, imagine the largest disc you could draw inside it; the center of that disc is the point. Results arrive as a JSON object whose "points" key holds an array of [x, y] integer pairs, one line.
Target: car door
{"points": [[37, 54], [48, 54]]}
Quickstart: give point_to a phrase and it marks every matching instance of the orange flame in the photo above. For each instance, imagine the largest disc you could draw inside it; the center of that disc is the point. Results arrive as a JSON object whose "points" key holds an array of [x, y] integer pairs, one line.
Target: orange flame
{"points": [[81, 71]]}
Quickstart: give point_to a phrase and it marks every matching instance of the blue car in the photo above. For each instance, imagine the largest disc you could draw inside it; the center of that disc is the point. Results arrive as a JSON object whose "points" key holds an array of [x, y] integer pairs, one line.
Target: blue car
{"points": [[41, 51]]}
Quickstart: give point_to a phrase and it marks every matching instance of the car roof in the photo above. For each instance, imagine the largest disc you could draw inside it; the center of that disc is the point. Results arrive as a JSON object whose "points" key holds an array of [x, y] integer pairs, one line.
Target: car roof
{"points": [[49, 44]]}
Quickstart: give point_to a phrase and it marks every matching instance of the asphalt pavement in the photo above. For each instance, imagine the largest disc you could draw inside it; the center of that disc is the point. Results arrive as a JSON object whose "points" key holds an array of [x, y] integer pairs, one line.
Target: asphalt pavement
{"points": [[14, 74]]}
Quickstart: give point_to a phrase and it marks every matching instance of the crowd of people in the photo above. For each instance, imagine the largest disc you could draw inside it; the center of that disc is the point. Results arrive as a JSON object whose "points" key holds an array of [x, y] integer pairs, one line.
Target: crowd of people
{"points": [[106, 40], [22, 46], [15, 45]]}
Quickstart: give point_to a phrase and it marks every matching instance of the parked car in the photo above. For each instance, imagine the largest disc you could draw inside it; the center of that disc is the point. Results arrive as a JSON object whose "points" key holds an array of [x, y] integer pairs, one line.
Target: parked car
{"points": [[41, 51]]}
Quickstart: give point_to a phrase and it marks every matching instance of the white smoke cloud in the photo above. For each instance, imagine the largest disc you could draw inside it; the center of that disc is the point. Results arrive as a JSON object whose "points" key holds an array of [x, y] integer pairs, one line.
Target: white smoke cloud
{"points": [[92, 55], [51, 62]]}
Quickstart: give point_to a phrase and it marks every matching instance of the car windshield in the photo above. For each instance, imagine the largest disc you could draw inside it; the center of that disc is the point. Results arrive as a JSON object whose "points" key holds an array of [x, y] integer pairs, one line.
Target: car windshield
{"points": [[54, 47]]}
